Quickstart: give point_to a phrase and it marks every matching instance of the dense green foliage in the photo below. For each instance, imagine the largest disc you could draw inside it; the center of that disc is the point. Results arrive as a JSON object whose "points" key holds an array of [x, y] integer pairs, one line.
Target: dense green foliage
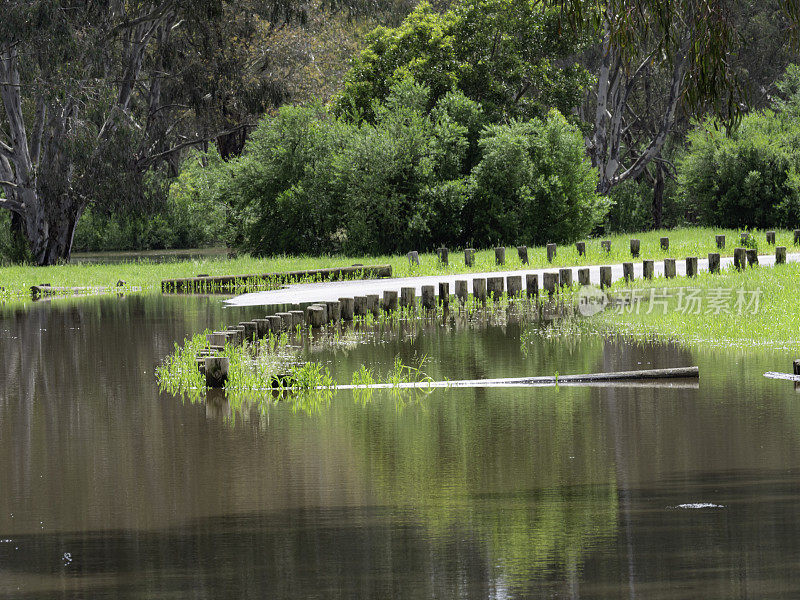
{"points": [[747, 177], [514, 57], [310, 182]]}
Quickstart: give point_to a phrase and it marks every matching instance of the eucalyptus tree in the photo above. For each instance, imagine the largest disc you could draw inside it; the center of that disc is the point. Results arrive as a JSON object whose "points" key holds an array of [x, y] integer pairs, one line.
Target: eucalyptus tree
{"points": [[96, 94]]}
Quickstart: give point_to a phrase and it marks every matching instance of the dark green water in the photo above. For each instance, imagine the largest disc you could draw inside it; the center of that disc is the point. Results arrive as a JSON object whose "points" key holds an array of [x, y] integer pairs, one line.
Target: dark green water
{"points": [[109, 489]]}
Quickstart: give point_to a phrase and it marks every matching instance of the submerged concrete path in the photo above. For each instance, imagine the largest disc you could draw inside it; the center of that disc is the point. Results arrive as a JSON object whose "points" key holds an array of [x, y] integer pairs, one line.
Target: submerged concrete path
{"points": [[307, 293]]}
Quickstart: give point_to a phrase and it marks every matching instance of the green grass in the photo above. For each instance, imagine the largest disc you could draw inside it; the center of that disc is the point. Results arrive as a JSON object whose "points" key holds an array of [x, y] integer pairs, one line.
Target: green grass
{"points": [[147, 276]]}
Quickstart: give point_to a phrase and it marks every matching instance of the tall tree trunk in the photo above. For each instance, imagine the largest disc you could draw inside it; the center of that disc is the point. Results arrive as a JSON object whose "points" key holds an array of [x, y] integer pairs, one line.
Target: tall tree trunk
{"points": [[658, 196]]}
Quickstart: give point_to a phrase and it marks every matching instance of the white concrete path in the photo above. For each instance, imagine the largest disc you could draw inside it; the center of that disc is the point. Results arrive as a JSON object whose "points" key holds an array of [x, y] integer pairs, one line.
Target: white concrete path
{"points": [[330, 291]]}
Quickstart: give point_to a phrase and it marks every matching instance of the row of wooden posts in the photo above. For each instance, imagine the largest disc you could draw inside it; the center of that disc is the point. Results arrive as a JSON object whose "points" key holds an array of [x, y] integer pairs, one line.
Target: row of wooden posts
{"points": [[346, 309], [635, 247]]}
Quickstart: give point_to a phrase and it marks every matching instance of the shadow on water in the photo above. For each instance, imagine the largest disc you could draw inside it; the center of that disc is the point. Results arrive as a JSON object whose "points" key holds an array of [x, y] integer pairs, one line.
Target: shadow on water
{"points": [[111, 489]]}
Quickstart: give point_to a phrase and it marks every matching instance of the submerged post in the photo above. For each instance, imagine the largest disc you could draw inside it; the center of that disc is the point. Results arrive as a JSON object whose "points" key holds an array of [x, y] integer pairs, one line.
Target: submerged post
{"points": [[390, 300], [334, 310], [494, 285], [428, 297], [444, 294], [346, 311], [565, 277], [479, 289], [532, 285], [297, 317], [373, 305], [315, 316], [408, 297], [216, 371], [360, 306], [549, 283], [514, 286], [462, 291]]}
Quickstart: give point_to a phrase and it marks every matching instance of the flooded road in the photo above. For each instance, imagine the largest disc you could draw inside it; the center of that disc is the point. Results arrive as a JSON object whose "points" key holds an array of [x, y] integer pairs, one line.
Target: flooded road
{"points": [[111, 489]]}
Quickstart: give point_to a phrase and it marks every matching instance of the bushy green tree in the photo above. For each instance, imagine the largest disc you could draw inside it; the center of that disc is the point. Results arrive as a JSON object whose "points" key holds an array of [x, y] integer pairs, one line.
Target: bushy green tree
{"points": [[514, 57], [534, 184]]}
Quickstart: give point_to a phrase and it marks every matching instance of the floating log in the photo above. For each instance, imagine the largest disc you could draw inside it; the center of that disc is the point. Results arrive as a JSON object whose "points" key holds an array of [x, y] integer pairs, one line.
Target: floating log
{"points": [[784, 376], [45, 289], [229, 282]]}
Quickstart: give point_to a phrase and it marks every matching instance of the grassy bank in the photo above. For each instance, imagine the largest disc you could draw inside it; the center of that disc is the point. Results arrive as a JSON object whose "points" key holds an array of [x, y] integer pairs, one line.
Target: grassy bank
{"points": [[147, 276]]}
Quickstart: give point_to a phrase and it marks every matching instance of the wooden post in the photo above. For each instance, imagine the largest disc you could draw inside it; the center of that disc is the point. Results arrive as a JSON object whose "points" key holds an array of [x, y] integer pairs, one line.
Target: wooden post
{"points": [[390, 300], [444, 294], [346, 308], [670, 271], [334, 311], [413, 257], [796, 367], [360, 306], [315, 315], [428, 297], [635, 245], [648, 269], [713, 262], [627, 271], [549, 283], [523, 254], [216, 371], [238, 334], [581, 248], [514, 286], [408, 297], [494, 285], [565, 277], [780, 255], [606, 245], [479, 290], [297, 317], [469, 257], [720, 242], [286, 318], [665, 244], [752, 257], [691, 266], [276, 323], [551, 252], [462, 291], [373, 305], [797, 237], [500, 255], [217, 338], [532, 285], [771, 238], [739, 258], [444, 256], [605, 277], [263, 327], [584, 277]]}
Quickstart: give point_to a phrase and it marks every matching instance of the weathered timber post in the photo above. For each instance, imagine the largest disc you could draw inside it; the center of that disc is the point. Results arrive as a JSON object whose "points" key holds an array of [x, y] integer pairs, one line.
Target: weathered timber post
{"points": [[315, 315], [665, 243], [428, 297], [479, 289], [648, 269], [373, 304], [670, 270], [263, 327], [522, 251], [532, 285], [238, 334], [771, 238], [713, 262], [462, 291], [287, 320], [720, 242], [581, 248], [551, 252], [494, 285], [780, 255], [606, 245], [514, 286], [444, 256], [565, 277], [691, 266], [408, 297], [500, 255], [627, 271], [346, 306], [605, 277], [413, 257], [752, 257], [796, 367], [297, 317], [360, 306], [444, 294], [469, 257], [216, 371], [217, 338], [797, 237], [584, 276], [635, 245], [334, 310], [739, 258], [275, 323], [549, 283], [390, 300]]}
